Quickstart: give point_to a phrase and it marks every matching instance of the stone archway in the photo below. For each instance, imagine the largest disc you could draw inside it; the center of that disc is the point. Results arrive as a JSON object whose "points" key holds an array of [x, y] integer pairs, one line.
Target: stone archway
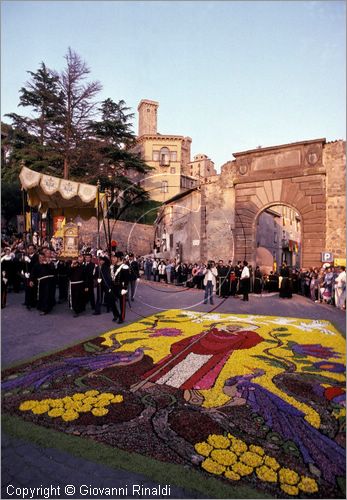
{"points": [[305, 194], [292, 175]]}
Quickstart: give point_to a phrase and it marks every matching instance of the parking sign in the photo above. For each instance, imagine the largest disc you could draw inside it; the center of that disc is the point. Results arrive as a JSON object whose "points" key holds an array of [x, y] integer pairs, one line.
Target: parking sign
{"points": [[327, 257]]}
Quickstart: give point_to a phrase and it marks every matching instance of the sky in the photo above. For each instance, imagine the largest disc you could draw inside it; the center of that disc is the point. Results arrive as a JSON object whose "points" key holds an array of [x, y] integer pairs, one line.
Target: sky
{"points": [[232, 75]]}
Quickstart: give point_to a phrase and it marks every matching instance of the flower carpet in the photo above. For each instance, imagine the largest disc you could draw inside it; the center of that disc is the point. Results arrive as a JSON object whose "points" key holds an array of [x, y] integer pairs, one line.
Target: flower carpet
{"points": [[249, 400]]}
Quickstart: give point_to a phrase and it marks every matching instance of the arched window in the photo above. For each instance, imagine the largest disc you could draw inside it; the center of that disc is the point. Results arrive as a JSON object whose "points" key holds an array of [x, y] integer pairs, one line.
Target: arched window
{"points": [[164, 187], [164, 156]]}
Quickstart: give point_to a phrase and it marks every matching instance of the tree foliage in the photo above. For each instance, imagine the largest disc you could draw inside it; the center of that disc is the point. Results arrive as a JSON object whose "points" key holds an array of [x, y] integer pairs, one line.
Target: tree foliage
{"points": [[66, 132]]}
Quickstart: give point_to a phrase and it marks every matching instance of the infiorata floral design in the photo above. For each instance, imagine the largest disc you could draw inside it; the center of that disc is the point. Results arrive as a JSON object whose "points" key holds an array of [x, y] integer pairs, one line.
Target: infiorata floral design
{"points": [[190, 377], [315, 351], [233, 458], [166, 332], [330, 366], [70, 407]]}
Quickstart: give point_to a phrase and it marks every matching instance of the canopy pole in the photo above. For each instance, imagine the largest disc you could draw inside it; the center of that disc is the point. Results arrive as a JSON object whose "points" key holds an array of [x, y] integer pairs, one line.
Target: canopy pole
{"points": [[24, 216], [98, 214]]}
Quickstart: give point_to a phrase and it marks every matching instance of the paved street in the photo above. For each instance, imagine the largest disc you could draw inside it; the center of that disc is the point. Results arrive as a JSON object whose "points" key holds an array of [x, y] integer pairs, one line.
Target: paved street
{"points": [[25, 334]]}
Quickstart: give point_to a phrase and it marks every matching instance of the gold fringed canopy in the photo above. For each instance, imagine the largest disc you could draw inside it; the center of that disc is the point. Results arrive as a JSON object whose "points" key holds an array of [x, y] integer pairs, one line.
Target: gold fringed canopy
{"points": [[45, 191]]}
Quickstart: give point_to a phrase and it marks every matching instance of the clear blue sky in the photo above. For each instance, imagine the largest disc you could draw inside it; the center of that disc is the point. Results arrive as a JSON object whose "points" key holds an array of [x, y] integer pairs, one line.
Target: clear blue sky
{"points": [[231, 75]]}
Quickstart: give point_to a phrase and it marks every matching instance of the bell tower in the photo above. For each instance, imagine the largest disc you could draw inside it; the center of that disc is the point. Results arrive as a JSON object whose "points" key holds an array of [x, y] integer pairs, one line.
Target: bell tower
{"points": [[147, 117]]}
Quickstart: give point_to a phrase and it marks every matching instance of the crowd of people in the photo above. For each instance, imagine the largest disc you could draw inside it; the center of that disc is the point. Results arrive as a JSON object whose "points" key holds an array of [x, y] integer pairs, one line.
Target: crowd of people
{"points": [[326, 284], [109, 279]]}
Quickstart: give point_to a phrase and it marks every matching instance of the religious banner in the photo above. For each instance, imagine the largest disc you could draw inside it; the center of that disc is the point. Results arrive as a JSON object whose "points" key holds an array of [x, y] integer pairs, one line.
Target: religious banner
{"points": [[58, 224]]}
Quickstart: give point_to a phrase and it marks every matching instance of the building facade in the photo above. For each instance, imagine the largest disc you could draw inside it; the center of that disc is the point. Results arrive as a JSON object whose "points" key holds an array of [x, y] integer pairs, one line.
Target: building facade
{"points": [[298, 186], [168, 155]]}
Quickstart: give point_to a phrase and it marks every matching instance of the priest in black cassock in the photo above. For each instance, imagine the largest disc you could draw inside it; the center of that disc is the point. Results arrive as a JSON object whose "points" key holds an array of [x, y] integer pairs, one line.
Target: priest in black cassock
{"points": [[77, 286], [43, 277]]}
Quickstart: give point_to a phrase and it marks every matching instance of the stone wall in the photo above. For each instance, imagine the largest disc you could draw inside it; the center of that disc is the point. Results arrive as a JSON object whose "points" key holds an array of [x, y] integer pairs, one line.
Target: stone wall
{"points": [[219, 214], [334, 159], [130, 236]]}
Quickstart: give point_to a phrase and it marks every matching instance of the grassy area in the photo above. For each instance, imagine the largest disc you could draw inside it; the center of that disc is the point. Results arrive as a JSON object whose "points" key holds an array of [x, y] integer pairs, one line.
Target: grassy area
{"points": [[164, 473]]}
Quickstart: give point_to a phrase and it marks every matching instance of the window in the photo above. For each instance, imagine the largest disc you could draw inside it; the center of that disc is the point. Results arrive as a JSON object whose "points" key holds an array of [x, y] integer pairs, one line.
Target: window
{"points": [[155, 155], [164, 187], [173, 155], [164, 156], [172, 170]]}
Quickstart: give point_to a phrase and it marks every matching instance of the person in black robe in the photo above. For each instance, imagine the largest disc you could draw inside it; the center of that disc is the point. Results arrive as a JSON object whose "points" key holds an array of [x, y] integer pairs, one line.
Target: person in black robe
{"points": [[90, 267], [43, 277], [63, 271], [285, 287], [134, 274], [223, 279], [78, 286], [258, 280], [120, 279], [30, 260], [238, 271]]}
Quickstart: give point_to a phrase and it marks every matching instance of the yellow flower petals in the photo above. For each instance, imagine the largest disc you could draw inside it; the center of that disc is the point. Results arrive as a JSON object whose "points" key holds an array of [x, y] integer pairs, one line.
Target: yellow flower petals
{"points": [[264, 473], [218, 441], [55, 403], [308, 485], [257, 449], [242, 469], [117, 399], [78, 396], [251, 459], [224, 457], [106, 395], [211, 466], [99, 412], [230, 474], [85, 408], [28, 405], [271, 462], [56, 412], [90, 400], [288, 476], [291, 490], [238, 446], [70, 415], [39, 409], [203, 448], [92, 392]]}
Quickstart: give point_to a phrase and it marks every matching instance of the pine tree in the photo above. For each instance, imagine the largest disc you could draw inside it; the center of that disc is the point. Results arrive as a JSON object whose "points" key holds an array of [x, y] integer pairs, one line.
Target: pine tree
{"points": [[114, 142], [33, 135], [78, 109]]}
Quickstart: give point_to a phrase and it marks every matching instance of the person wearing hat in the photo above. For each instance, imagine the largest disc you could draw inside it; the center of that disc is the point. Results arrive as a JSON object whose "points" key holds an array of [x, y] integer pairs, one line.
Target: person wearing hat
{"points": [[120, 279]]}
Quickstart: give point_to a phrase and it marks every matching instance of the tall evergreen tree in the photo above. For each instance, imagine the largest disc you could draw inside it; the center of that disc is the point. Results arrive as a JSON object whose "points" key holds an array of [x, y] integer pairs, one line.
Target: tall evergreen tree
{"points": [[114, 141], [33, 135], [78, 109]]}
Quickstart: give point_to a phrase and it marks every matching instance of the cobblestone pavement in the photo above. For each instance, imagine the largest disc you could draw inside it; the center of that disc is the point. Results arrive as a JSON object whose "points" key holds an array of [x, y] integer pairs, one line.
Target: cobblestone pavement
{"points": [[26, 334]]}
